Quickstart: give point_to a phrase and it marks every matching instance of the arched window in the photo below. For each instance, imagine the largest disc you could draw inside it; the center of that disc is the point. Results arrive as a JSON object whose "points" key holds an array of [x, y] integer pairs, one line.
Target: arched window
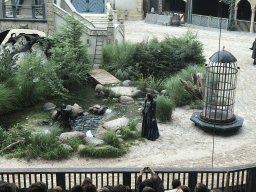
{"points": [[211, 8], [174, 5], [244, 10]]}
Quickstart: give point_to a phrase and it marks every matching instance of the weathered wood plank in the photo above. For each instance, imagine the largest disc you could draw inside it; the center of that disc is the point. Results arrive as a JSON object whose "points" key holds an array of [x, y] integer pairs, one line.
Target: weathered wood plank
{"points": [[103, 77]]}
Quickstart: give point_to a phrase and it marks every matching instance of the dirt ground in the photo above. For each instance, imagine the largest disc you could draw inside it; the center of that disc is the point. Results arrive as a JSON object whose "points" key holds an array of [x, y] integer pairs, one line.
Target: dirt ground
{"points": [[181, 143]]}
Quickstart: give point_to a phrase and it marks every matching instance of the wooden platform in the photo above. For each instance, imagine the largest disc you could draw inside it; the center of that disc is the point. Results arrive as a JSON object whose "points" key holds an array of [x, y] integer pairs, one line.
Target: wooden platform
{"points": [[103, 77]]}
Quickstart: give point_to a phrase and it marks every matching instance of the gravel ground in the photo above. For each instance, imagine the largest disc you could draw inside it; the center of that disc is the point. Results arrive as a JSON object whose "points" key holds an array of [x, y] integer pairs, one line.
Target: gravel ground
{"points": [[181, 143]]}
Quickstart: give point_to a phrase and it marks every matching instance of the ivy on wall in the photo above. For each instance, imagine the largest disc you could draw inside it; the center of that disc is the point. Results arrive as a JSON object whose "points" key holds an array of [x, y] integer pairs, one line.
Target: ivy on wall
{"points": [[231, 24]]}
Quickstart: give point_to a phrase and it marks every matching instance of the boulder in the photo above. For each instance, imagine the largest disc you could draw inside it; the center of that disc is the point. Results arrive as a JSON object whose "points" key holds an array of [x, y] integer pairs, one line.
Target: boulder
{"points": [[21, 45], [118, 132], [115, 100], [126, 99], [116, 124], [99, 88], [53, 114], [102, 109], [127, 83], [97, 109], [69, 136], [99, 133], [80, 147], [139, 126], [76, 109], [94, 141], [65, 146], [138, 93], [19, 57], [49, 106], [36, 48]]}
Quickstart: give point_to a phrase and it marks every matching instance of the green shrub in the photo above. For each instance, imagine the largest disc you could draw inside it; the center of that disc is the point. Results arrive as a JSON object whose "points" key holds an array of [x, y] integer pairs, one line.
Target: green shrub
{"points": [[74, 144], [8, 99], [7, 64], [111, 139], [133, 123], [3, 135], [45, 145], [69, 54], [176, 91], [149, 82], [117, 59], [128, 134], [153, 58], [36, 79], [164, 108], [104, 151], [197, 104]]}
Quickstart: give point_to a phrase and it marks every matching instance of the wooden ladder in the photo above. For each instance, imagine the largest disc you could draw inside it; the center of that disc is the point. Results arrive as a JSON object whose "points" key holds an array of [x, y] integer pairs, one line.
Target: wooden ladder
{"points": [[98, 50]]}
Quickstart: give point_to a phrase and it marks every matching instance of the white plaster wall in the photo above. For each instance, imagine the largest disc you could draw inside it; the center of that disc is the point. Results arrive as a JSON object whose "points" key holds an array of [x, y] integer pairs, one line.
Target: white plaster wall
{"points": [[128, 5]]}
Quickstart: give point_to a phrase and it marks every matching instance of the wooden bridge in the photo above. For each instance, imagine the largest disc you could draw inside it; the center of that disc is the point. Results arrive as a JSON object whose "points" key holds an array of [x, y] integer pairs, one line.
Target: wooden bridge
{"points": [[103, 77]]}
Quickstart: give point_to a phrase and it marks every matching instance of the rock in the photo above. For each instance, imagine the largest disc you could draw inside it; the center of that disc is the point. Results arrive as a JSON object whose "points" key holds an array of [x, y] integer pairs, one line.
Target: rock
{"points": [[99, 88], [139, 126], [141, 102], [116, 124], [118, 132], [138, 93], [65, 146], [96, 106], [94, 141], [80, 147], [163, 92], [36, 48], [99, 133], [149, 90], [19, 57], [69, 136], [10, 47], [126, 99], [105, 100], [90, 109], [122, 90], [77, 110], [156, 92], [115, 100], [53, 114], [102, 109], [127, 83], [21, 45], [49, 106], [141, 99]]}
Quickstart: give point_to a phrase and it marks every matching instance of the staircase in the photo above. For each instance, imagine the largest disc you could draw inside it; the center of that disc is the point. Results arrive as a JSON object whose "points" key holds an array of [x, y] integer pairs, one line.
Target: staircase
{"points": [[100, 21]]}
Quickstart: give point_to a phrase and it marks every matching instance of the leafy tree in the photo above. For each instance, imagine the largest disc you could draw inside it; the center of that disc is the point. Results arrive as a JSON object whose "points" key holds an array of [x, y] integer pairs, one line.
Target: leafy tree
{"points": [[69, 53]]}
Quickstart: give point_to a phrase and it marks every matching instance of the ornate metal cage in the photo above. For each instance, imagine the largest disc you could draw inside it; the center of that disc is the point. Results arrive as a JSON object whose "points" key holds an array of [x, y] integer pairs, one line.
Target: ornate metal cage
{"points": [[221, 77]]}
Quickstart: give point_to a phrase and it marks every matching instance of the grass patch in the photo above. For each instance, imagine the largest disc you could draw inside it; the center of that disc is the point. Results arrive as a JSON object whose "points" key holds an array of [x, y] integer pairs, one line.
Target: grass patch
{"points": [[176, 91], [164, 108], [74, 143], [111, 138], [197, 104], [104, 151]]}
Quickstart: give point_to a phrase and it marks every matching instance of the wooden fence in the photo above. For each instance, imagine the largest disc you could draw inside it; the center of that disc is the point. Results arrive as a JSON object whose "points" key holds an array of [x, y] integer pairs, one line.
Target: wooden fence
{"points": [[229, 179]]}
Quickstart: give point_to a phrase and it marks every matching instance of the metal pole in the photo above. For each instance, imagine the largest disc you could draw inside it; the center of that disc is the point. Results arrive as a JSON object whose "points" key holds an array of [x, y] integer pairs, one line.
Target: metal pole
{"points": [[33, 9], [4, 8]]}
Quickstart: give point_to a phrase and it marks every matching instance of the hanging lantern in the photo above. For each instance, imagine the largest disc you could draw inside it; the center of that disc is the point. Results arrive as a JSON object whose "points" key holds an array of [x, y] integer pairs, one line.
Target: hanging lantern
{"points": [[219, 98]]}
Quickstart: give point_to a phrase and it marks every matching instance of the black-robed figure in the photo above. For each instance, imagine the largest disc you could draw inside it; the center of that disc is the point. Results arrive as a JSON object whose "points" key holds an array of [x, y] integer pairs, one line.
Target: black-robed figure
{"points": [[254, 51], [149, 123]]}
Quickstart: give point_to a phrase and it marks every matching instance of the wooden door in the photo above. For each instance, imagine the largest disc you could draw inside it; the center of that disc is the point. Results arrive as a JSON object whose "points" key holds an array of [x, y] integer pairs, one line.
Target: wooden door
{"points": [[81, 6], [89, 6], [96, 6]]}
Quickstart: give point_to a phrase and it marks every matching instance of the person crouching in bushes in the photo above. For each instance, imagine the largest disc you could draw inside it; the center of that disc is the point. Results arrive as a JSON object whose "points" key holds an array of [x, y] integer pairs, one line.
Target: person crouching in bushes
{"points": [[38, 187], [7, 187], [155, 181], [149, 123]]}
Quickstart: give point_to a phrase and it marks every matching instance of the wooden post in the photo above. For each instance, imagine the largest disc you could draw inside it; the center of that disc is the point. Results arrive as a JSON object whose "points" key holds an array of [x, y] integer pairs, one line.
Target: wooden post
{"points": [[192, 180], [61, 180], [127, 179], [252, 20]]}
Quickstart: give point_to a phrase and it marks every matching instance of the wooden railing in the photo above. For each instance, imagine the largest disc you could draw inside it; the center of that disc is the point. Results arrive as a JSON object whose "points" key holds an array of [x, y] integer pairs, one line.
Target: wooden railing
{"points": [[230, 179]]}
